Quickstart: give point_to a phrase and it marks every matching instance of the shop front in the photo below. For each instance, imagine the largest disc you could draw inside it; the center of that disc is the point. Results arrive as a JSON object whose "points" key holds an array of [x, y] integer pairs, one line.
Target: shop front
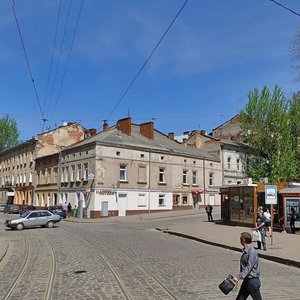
{"points": [[291, 200], [238, 204]]}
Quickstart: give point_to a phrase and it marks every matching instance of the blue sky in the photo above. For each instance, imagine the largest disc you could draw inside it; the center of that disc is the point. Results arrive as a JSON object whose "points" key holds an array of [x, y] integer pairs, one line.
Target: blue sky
{"points": [[199, 76]]}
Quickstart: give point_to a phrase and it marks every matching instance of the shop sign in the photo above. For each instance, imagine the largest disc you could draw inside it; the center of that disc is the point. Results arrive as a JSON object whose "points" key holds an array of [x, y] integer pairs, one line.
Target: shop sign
{"points": [[105, 192]]}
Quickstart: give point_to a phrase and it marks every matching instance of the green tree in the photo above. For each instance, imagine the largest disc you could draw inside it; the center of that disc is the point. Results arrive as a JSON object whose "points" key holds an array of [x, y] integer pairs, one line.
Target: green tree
{"points": [[269, 124], [9, 133]]}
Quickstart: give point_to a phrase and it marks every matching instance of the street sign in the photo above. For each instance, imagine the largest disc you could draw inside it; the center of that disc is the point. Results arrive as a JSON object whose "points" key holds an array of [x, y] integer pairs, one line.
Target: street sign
{"points": [[91, 176], [270, 194]]}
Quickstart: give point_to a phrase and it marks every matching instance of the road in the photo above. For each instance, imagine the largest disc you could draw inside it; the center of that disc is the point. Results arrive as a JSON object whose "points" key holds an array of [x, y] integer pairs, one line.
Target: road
{"points": [[125, 260]]}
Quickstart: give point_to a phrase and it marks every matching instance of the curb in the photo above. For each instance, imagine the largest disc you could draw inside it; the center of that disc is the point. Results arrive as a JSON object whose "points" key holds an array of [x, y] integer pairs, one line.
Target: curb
{"points": [[277, 259]]}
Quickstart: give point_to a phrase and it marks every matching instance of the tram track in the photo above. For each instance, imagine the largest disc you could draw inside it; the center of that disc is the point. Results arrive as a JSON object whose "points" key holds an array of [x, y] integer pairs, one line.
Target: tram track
{"points": [[118, 261], [33, 277]]}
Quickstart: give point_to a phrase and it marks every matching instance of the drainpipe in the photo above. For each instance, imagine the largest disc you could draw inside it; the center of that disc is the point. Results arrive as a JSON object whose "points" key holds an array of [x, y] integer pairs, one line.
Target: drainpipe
{"points": [[204, 183], [149, 180]]}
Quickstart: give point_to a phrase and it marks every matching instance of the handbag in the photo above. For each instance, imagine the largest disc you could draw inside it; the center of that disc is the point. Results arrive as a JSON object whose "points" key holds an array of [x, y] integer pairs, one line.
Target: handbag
{"points": [[256, 237], [227, 285]]}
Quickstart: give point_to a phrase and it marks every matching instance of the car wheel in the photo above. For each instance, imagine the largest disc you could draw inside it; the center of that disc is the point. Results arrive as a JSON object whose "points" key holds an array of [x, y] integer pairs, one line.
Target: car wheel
{"points": [[50, 224], [20, 226]]}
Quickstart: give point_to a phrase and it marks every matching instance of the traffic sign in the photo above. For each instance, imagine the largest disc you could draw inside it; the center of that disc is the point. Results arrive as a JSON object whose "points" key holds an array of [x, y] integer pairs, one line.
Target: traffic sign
{"points": [[270, 194]]}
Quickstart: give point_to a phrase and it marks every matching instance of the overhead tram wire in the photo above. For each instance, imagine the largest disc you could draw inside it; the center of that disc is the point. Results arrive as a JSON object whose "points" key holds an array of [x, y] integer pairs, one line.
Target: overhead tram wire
{"points": [[285, 7], [59, 55], [52, 55], [68, 58], [28, 65], [148, 58]]}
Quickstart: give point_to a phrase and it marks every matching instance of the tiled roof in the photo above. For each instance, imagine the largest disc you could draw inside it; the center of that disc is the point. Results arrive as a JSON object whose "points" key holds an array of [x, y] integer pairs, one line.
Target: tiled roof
{"points": [[160, 142]]}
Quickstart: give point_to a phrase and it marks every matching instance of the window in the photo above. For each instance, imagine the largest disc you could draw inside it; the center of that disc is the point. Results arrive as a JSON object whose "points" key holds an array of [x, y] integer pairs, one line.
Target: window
{"points": [[228, 163], [162, 158], [123, 173], [194, 177], [46, 176], [184, 177], [161, 200], [161, 175], [78, 175], [211, 179], [62, 175], [142, 200], [184, 199], [72, 173], [55, 175], [85, 171], [238, 164], [67, 174], [142, 174], [118, 153]]}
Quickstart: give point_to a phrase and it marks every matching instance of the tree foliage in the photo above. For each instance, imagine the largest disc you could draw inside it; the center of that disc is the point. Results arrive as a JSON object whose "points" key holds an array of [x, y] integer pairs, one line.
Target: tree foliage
{"points": [[269, 122], [9, 133]]}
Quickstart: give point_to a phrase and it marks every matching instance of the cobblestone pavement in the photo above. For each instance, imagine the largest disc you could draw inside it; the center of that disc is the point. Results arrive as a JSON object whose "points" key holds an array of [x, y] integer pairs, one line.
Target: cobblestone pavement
{"points": [[125, 260]]}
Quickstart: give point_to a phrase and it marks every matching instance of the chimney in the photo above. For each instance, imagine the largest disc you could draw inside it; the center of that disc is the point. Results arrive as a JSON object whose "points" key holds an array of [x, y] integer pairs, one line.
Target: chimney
{"points": [[171, 136], [125, 125], [147, 130], [203, 132], [92, 131], [105, 126], [184, 142]]}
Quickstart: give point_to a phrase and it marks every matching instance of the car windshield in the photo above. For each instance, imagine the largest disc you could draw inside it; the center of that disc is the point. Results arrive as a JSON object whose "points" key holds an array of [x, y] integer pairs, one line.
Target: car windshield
{"points": [[25, 214]]}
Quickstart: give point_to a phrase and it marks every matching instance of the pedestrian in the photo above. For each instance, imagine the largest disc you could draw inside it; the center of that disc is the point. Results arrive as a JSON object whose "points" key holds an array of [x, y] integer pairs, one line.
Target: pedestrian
{"points": [[260, 226], [293, 217], [75, 211], [209, 210], [65, 208], [260, 209], [267, 217], [249, 270], [69, 209]]}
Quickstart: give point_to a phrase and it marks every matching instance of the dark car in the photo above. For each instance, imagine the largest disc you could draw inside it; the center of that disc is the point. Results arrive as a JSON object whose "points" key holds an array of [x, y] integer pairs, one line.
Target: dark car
{"points": [[2, 207], [12, 209], [58, 210], [27, 208]]}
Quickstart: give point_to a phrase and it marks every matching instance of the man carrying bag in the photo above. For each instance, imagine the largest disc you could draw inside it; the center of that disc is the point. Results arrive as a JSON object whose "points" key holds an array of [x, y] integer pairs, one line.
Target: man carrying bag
{"points": [[249, 270]]}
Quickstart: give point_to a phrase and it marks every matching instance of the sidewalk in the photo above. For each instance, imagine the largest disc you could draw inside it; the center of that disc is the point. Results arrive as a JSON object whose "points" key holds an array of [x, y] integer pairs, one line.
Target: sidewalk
{"points": [[285, 248]]}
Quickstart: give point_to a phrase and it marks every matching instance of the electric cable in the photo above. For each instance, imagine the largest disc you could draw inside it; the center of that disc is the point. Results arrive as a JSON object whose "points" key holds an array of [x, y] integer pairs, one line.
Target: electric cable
{"points": [[59, 55], [52, 55], [68, 58], [27, 62], [148, 58], [285, 7]]}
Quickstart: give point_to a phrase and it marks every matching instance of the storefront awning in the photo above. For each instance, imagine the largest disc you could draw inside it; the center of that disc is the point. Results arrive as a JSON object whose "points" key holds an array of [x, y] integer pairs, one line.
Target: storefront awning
{"points": [[197, 191]]}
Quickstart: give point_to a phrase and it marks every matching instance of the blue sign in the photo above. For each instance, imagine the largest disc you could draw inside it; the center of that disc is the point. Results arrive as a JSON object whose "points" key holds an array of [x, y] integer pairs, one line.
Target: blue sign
{"points": [[270, 194]]}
